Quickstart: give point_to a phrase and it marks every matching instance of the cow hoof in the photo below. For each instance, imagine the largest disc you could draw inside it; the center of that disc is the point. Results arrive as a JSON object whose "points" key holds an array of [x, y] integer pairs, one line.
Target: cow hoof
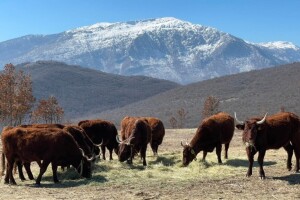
{"points": [[37, 185]]}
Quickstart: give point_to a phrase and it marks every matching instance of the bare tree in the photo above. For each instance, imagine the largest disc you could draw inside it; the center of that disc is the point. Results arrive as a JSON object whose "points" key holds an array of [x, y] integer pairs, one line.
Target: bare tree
{"points": [[16, 99], [173, 122], [211, 106], [182, 114], [48, 111], [179, 120]]}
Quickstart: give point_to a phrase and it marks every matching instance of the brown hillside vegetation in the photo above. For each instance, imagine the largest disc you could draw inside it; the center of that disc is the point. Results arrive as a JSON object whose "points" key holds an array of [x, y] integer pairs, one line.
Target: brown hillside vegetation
{"points": [[82, 91], [165, 178], [249, 94]]}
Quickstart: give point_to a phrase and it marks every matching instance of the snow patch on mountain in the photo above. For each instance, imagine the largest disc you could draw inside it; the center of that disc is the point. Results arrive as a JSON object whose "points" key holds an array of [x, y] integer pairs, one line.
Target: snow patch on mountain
{"points": [[166, 48]]}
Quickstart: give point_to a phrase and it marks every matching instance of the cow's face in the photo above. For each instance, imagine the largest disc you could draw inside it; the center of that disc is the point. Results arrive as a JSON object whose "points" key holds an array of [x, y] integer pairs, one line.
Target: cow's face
{"points": [[85, 168], [188, 155], [252, 130], [250, 133], [124, 152]]}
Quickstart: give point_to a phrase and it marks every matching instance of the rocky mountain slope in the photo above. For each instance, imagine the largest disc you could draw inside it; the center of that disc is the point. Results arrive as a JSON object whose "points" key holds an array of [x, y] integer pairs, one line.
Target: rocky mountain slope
{"points": [[165, 48]]}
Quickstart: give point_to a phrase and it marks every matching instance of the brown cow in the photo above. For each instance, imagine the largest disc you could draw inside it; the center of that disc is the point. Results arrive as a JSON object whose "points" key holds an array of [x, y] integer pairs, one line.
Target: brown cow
{"points": [[272, 132], [157, 131], [135, 134], [102, 132], [54, 146], [212, 132], [84, 142]]}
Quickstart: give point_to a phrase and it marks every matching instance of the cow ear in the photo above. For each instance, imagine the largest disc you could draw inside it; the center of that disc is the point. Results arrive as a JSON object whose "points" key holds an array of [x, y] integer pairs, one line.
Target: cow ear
{"points": [[240, 126]]}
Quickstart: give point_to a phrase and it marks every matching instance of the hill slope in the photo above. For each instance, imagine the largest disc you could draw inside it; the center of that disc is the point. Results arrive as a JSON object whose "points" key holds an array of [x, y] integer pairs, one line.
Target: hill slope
{"points": [[249, 94], [83, 91], [165, 48]]}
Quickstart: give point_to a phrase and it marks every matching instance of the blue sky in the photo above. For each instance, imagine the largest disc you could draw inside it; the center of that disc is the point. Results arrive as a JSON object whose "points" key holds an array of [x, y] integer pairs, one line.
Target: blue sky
{"points": [[252, 20]]}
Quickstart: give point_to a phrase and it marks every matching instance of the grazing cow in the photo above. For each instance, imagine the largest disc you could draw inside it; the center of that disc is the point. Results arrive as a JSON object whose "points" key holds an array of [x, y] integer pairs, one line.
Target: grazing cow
{"points": [[272, 132], [157, 130], [214, 131], [84, 142], [135, 135], [46, 146], [104, 132], [76, 131]]}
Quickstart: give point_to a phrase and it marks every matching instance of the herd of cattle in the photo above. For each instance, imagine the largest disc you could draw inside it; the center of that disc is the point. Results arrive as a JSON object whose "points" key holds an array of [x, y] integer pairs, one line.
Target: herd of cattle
{"points": [[78, 145]]}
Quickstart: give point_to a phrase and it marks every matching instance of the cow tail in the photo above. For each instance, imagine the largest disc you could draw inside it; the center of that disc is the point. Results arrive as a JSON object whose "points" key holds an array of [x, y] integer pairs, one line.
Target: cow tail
{"points": [[2, 164]]}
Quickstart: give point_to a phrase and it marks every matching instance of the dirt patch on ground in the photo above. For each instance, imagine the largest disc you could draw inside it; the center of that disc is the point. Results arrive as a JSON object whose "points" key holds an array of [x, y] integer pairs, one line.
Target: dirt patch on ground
{"points": [[228, 182]]}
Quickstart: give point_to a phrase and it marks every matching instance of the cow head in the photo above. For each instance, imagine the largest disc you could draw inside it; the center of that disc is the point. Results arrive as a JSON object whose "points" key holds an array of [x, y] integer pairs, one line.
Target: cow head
{"points": [[85, 166], [125, 149], [251, 129], [188, 154]]}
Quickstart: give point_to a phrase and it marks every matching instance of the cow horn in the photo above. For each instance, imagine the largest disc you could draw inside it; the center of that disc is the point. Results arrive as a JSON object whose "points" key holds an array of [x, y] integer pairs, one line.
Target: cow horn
{"points": [[99, 145], [118, 140], [263, 120], [186, 143], [236, 119], [181, 144], [129, 140], [87, 158]]}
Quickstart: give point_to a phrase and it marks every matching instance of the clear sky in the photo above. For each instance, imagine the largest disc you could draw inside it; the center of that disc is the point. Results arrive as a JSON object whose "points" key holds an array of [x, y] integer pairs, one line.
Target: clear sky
{"points": [[251, 20]]}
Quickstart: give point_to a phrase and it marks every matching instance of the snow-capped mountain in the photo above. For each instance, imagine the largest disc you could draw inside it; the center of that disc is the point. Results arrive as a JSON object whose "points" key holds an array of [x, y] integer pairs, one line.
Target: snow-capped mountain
{"points": [[166, 48]]}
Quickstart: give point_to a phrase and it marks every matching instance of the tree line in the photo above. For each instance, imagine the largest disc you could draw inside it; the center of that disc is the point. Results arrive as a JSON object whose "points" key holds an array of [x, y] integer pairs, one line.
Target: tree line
{"points": [[17, 103], [210, 107]]}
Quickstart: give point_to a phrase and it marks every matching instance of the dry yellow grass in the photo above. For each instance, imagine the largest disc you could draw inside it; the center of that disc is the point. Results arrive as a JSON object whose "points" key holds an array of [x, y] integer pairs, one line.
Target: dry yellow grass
{"points": [[165, 178]]}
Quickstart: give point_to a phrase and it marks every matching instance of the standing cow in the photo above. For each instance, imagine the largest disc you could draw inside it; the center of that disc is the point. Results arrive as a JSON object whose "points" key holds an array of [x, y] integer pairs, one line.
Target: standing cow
{"points": [[272, 132], [135, 135], [46, 146], [157, 130], [102, 132], [212, 133]]}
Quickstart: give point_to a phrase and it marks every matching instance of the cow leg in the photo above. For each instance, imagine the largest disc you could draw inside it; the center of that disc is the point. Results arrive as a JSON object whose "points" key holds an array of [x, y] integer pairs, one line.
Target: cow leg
{"points": [[110, 153], [218, 152], [54, 171], [226, 150], [9, 172], [297, 155], [154, 148], [204, 155], [28, 170], [20, 167], [143, 155], [129, 161], [43, 169], [261, 155], [103, 152], [250, 154], [289, 150]]}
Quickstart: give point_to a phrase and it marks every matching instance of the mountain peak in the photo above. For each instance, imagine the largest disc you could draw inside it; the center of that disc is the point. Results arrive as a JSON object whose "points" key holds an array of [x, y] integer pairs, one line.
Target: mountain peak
{"points": [[280, 45], [165, 48]]}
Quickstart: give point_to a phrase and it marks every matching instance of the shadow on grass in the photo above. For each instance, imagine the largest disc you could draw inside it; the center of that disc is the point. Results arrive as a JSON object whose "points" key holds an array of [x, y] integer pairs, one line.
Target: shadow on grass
{"points": [[293, 179], [245, 163], [67, 179], [164, 161]]}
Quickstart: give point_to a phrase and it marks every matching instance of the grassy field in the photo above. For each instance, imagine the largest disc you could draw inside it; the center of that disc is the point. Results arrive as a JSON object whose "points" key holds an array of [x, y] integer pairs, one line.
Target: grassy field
{"points": [[165, 178]]}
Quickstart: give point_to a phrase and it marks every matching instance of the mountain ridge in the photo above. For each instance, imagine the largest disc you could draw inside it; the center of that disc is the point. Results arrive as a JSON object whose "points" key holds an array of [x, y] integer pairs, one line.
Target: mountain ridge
{"points": [[165, 48]]}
